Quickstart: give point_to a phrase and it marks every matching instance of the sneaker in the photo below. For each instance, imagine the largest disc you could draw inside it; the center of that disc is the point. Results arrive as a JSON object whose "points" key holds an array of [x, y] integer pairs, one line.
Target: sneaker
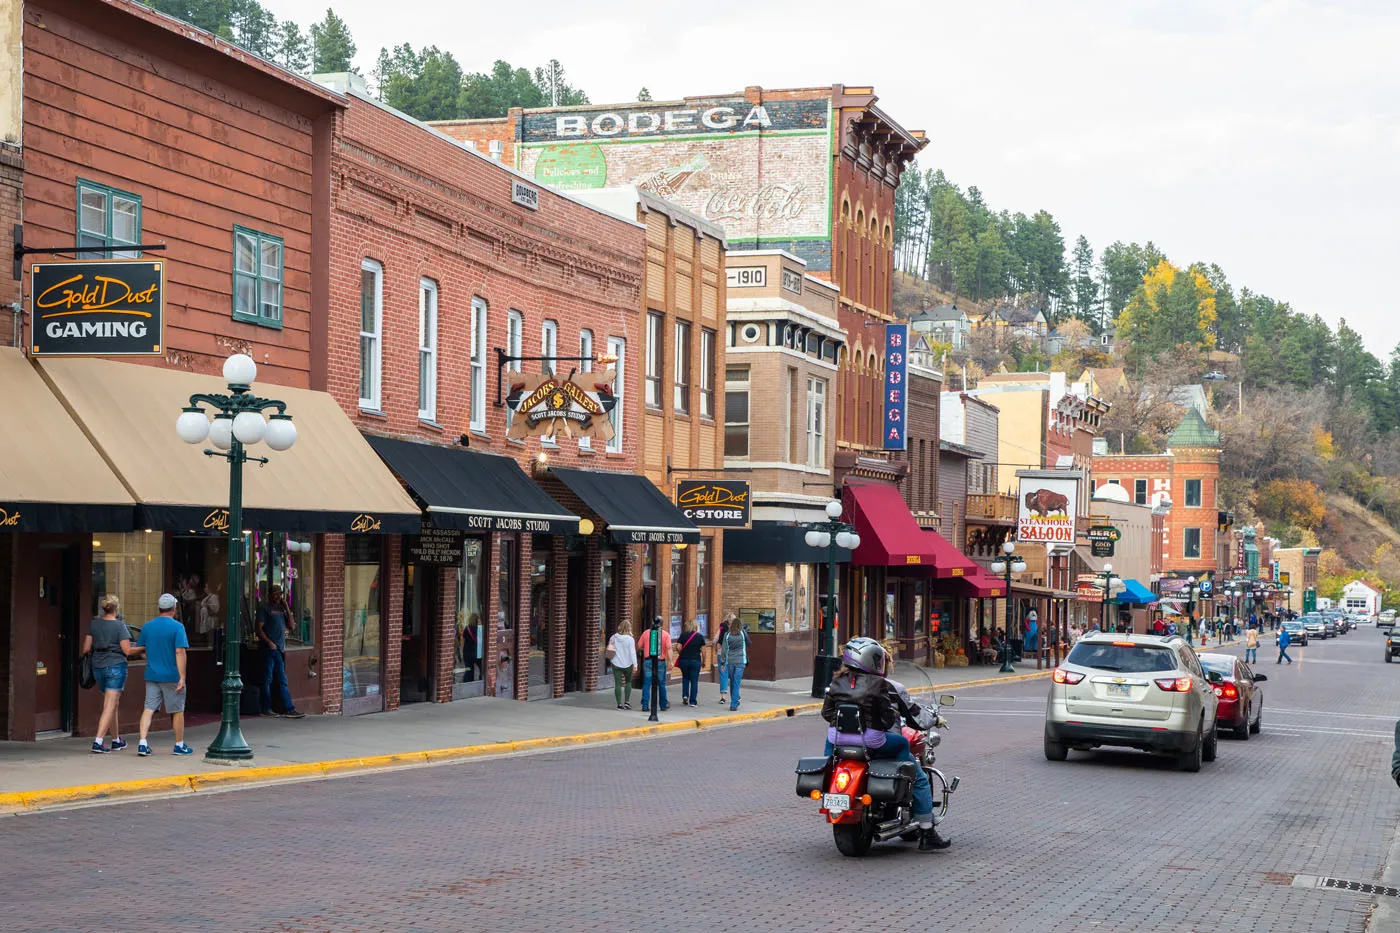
{"points": [[620, 706], [99, 749], [626, 705], [143, 749], [294, 714], [118, 744], [183, 749], [723, 699]]}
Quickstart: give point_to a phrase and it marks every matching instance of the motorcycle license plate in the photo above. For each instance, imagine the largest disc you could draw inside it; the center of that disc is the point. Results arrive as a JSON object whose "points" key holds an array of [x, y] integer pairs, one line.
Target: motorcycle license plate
{"points": [[836, 801]]}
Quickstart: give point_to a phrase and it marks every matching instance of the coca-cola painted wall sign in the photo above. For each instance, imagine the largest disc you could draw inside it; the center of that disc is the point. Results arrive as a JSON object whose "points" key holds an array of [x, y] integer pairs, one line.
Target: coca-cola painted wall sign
{"points": [[760, 170]]}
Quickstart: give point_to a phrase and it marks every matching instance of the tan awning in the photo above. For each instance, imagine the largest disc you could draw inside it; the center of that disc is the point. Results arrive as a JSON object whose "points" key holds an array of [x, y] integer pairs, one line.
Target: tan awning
{"points": [[329, 481], [51, 476]]}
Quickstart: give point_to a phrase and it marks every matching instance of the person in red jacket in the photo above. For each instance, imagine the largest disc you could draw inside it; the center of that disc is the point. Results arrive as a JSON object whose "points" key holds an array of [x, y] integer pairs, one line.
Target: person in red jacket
{"points": [[656, 642]]}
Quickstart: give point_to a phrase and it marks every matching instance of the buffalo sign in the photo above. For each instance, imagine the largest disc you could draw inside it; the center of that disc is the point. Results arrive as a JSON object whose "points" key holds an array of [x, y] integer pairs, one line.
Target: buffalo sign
{"points": [[1047, 510]]}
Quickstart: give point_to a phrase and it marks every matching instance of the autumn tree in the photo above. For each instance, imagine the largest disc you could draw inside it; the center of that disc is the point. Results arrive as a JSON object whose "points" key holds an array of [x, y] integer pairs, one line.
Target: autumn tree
{"points": [[1292, 501], [1171, 308]]}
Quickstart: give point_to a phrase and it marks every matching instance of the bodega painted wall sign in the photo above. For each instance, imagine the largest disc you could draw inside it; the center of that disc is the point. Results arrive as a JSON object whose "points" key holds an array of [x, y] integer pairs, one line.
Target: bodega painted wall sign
{"points": [[114, 307]]}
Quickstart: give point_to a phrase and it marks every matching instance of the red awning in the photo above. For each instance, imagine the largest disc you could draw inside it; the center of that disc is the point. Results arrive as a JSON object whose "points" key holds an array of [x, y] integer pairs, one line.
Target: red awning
{"points": [[978, 585], [890, 537]]}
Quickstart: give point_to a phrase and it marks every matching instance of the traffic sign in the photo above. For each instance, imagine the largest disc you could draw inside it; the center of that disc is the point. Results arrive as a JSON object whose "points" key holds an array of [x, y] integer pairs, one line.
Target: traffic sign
{"points": [[1207, 586], [1103, 533]]}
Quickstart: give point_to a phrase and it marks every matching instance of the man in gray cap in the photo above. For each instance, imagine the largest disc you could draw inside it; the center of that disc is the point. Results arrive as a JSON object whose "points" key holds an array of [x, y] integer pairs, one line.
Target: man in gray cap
{"points": [[165, 642]]}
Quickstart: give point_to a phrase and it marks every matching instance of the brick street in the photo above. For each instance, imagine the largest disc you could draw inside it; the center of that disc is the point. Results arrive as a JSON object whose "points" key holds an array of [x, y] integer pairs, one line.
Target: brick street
{"points": [[705, 833]]}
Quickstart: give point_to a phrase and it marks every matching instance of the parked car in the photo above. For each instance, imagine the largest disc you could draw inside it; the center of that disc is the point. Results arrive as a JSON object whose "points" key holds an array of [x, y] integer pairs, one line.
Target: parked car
{"points": [[1241, 698], [1297, 632], [1138, 691], [1215, 375], [1330, 628], [1386, 621], [1392, 647]]}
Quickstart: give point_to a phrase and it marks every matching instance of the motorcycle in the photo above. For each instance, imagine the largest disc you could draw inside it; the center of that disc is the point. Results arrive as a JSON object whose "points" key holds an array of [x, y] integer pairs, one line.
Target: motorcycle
{"points": [[868, 800]]}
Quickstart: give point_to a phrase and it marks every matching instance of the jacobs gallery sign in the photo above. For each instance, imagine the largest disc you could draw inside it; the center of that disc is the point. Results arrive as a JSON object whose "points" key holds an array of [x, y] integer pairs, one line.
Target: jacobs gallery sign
{"points": [[896, 401], [547, 406], [112, 307]]}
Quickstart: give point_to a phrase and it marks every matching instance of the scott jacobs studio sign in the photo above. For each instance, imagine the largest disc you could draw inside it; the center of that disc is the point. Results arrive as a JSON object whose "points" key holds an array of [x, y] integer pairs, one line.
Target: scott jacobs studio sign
{"points": [[107, 308]]}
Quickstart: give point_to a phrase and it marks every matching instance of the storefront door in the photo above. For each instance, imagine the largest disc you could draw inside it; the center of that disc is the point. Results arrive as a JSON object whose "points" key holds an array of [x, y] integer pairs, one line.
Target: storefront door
{"points": [[416, 671], [577, 630], [364, 626], [56, 630], [540, 681]]}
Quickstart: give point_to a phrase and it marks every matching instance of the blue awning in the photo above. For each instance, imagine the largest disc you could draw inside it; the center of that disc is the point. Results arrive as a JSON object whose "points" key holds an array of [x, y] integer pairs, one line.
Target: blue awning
{"points": [[1135, 594]]}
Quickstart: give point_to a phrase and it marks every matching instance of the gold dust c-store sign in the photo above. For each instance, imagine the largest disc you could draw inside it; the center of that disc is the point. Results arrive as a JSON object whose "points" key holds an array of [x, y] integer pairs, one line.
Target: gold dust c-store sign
{"points": [[112, 307]]}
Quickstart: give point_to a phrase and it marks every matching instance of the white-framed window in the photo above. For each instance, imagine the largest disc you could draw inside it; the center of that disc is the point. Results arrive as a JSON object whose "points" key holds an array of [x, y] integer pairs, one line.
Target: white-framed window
{"points": [[549, 347], [736, 411], [707, 373], [478, 387], [655, 352], [427, 349], [585, 350], [681, 390], [816, 422], [371, 330], [515, 342], [1191, 543], [617, 347], [1193, 494]]}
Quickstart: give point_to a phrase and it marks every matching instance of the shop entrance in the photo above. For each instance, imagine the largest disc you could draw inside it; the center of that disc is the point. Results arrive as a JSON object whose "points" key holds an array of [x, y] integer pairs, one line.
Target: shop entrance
{"points": [[577, 642], [416, 661], [56, 628]]}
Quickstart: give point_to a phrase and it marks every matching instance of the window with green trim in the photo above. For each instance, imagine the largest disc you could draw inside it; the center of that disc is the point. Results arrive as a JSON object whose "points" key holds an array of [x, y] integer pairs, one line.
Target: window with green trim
{"points": [[257, 277], [108, 217]]}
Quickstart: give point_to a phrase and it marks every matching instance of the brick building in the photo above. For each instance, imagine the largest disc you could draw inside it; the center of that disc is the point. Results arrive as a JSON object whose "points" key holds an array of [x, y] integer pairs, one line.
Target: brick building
{"points": [[453, 279], [140, 130], [1186, 477]]}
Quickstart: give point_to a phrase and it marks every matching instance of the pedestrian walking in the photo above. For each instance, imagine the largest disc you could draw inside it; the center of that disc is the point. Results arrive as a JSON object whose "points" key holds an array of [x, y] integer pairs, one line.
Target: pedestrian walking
{"points": [[655, 643], [1284, 640], [736, 657], [1251, 645], [109, 642], [721, 668], [622, 653], [689, 662], [166, 644], [272, 625]]}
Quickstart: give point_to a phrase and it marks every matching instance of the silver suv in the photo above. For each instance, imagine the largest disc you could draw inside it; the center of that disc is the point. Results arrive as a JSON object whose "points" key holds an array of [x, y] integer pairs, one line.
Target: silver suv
{"points": [[1139, 691]]}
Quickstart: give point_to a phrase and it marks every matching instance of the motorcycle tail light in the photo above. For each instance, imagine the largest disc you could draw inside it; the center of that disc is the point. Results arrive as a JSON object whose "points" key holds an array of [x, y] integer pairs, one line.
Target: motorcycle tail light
{"points": [[1062, 676], [843, 781]]}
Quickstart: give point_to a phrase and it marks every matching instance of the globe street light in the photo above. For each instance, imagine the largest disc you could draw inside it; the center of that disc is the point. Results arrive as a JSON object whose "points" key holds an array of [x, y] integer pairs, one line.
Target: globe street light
{"points": [[1107, 592], [1012, 563], [238, 423], [831, 534]]}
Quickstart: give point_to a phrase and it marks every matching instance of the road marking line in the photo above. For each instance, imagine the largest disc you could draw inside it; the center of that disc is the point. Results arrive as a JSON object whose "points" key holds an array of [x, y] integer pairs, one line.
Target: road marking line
{"points": [[1321, 712]]}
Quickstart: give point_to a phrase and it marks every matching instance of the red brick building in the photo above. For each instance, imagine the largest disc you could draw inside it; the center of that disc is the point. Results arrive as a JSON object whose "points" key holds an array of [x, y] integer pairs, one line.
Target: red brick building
{"points": [[141, 130], [436, 268]]}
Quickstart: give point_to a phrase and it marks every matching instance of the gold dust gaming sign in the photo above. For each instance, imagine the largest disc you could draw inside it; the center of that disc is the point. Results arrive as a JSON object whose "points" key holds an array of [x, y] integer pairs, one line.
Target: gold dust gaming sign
{"points": [[107, 308]]}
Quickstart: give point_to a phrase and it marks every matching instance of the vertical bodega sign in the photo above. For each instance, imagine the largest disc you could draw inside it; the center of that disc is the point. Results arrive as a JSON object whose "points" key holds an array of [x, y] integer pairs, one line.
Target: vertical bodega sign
{"points": [[896, 386], [112, 307]]}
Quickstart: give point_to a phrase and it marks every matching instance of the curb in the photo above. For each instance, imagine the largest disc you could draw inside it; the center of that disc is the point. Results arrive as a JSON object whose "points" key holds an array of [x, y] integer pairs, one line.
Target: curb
{"points": [[16, 802]]}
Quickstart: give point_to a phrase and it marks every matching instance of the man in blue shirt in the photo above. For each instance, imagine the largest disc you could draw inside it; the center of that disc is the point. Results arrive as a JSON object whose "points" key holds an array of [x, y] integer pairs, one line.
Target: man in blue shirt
{"points": [[1284, 640], [165, 642]]}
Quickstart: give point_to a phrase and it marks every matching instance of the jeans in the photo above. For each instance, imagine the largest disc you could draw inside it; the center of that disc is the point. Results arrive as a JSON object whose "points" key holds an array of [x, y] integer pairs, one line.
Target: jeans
{"points": [[690, 680], [736, 674], [646, 682], [110, 678], [275, 672], [622, 684], [897, 746], [723, 670], [1251, 655], [1283, 655]]}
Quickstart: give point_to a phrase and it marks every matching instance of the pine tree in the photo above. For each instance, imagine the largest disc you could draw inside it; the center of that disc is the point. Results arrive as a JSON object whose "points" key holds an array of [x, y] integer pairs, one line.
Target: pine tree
{"points": [[332, 48], [293, 50], [643, 95]]}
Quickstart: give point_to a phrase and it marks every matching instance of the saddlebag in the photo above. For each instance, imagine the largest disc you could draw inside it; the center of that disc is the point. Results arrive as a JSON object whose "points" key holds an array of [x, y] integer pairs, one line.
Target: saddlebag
{"points": [[890, 780], [811, 775]]}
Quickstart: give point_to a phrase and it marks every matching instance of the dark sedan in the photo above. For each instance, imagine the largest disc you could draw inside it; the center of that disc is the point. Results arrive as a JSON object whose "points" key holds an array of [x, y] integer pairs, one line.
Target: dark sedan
{"points": [[1241, 705]]}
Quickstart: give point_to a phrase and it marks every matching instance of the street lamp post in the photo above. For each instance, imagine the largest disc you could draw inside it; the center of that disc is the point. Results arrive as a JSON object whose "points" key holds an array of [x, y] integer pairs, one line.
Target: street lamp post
{"points": [[1011, 563], [830, 534], [238, 424], [1191, 592], [1107, 592]]}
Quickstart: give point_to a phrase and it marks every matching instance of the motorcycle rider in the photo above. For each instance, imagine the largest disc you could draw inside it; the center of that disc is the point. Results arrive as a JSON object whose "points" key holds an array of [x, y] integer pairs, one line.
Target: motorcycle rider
{"points": [[883, 703]]}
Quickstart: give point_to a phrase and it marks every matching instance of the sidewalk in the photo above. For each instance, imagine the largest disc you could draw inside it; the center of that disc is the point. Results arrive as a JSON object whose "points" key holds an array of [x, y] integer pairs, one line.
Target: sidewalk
{"points": [[64, 772]]}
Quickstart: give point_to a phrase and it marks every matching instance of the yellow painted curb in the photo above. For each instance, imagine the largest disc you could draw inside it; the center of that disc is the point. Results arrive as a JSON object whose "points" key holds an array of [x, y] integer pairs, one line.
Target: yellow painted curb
{"points": [[21, 801]]}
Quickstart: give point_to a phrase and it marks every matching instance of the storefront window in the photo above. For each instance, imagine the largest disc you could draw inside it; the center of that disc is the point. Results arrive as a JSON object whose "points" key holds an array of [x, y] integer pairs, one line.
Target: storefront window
{"points": [[678, 587], [199, 569], [199, 574], [471, 610], [649, 564], [891, 609], [133, 567], [804, 597], [539, 622], [289, 562], [505, 619], [789, 597], [363, 585], [702, 588]]}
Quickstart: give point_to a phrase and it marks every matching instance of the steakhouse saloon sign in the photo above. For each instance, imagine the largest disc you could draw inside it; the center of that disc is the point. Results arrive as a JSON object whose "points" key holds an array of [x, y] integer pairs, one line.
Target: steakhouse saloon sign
{"points": [[1047, 510], [107, 308]]}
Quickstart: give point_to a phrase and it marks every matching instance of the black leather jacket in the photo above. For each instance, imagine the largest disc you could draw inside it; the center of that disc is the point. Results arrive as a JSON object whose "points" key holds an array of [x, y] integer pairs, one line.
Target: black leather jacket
{"points": [[883, 703]]}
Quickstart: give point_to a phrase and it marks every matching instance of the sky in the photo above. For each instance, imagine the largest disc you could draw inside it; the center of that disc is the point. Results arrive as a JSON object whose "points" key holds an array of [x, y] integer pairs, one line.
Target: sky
{"points": [[1261, 135]]}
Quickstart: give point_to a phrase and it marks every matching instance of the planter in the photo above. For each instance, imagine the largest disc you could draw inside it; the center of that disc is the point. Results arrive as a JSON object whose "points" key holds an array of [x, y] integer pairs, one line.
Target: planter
{"points": [[939, 659]]}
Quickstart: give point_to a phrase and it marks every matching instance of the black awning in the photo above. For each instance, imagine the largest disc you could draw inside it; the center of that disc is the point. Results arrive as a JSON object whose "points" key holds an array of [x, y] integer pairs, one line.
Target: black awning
{"points": [[775, 543], [635, 511], [472, 491]]}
